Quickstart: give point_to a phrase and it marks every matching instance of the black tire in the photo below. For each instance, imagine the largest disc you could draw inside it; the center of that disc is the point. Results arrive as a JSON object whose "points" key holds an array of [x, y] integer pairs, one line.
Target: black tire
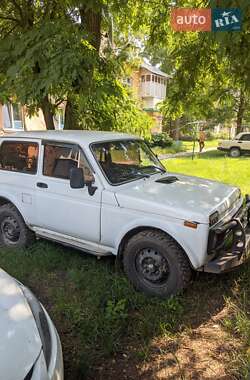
{"points": [[235, 152], [13, 231], [171, 272]]}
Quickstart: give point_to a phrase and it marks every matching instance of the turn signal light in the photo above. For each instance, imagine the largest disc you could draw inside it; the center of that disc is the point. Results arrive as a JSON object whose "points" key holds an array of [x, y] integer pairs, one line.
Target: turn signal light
{"points": [[189, 224]]}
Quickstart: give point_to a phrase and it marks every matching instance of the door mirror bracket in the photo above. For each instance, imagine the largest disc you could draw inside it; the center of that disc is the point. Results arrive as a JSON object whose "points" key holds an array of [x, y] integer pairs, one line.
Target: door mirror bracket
{"points": [[91, 189]]}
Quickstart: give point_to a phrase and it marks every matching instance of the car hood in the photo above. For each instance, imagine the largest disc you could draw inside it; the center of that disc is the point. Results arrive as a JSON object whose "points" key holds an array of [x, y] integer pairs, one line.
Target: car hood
{"points": [[189, 197], [20, 342]]}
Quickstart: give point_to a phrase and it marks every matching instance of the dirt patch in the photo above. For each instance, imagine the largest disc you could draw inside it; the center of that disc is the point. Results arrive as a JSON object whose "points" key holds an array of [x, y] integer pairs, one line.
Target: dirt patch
{"points": [[200, 353]]}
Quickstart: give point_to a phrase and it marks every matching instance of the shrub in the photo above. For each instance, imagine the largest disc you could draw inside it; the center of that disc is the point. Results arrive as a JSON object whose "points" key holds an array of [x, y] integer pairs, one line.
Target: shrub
{"points": [[161, 139], [178, 146]]}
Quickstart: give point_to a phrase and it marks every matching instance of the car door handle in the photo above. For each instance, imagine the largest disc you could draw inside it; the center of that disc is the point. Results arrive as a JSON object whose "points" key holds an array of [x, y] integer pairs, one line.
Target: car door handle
{"points": [[42, 185]]}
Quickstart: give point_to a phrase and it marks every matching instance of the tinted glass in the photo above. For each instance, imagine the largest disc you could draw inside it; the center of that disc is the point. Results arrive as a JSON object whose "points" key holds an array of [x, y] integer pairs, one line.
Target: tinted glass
{"points": [[60, 159], [126, 160], [19, 156], [245, 137]]}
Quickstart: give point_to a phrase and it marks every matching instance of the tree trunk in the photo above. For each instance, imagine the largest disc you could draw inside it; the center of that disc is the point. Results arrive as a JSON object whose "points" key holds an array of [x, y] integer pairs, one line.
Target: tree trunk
{"points": [[91, 22], [175, 129], [240, 113], [71, 115], [47, 113]]}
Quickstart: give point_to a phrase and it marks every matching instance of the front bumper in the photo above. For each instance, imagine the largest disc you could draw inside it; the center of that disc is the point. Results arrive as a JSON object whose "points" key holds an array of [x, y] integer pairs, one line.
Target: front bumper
{"points": [[230, 243], [222, 149]]}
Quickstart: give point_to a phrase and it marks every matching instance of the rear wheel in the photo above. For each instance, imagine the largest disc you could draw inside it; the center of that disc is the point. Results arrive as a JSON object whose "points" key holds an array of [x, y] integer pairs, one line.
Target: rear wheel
{"points": [[235, 152], [13, 231], [155, 264]]}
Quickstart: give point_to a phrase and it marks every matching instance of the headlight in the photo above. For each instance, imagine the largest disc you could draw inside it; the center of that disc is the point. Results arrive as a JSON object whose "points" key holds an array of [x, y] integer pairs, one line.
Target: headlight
{"points": [[214, 218], [41, 322]]}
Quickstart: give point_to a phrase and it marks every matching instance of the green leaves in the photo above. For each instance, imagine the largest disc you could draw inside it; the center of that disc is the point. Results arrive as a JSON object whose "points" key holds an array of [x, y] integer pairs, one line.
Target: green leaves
{"points": [[209, 70]]}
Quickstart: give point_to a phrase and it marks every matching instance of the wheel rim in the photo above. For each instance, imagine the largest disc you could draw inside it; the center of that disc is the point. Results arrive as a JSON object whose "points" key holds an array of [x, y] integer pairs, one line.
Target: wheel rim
{"points": [[10, 230], [235, 153], [152, 266]]}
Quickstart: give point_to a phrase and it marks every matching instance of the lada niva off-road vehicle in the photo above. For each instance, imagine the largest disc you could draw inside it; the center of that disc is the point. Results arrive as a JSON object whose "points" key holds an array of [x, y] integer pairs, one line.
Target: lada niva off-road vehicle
{"points": [[107, 193]]}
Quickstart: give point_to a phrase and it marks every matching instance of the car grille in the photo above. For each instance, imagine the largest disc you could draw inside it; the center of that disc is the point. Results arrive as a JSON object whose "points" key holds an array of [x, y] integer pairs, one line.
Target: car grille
{"points": [[215, 241]]}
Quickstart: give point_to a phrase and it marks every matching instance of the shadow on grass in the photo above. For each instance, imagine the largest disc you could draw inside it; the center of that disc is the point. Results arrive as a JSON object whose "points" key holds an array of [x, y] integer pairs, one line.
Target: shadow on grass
{"points": [[98, 314]]}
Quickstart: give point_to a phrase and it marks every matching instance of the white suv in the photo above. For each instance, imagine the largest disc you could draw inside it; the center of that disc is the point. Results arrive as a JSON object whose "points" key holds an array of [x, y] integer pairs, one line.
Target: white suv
{"points": [[107, 193], [239, 145]]}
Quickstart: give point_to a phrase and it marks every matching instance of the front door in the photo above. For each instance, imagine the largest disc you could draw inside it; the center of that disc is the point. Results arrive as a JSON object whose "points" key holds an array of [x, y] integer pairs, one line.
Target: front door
{"points": [[71, 212]]}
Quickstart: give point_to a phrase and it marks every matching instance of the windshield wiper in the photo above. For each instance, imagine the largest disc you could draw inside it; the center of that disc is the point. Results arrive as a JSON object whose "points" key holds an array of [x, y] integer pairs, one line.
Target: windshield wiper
{"points": [[155, 167], [140, 175]]}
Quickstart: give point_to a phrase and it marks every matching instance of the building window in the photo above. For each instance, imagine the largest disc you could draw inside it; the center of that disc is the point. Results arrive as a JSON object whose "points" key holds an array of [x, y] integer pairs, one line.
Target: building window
{"points": [[12, 116], [143, 78], [18, 156], [148, 77]]}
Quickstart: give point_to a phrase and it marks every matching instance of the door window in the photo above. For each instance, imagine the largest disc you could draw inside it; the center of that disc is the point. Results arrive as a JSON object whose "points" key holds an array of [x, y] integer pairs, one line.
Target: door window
{"points": [[60, 159], [245, 137], [19, 156]]}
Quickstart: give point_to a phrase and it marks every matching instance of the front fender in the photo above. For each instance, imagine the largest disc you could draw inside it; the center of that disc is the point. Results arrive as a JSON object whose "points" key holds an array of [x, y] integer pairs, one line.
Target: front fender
{"points": [[192, 241]]}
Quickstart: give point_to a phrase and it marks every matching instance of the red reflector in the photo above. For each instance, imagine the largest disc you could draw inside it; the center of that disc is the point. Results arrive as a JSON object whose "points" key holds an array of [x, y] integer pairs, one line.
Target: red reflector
{"points": [[190, 224]]}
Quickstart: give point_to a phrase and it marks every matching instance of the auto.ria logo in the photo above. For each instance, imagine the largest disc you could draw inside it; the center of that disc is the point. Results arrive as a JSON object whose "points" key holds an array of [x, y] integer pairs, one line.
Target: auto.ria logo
{"points": [[226, 19], [206, 19]]}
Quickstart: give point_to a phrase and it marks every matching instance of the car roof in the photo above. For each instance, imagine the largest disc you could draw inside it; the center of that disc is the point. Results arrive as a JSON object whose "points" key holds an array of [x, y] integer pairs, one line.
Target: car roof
{"points": [[85, 137]]}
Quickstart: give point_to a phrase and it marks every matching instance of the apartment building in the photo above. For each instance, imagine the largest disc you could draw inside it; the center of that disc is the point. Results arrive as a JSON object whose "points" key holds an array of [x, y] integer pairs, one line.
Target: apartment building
{"points": [[149, 84]]}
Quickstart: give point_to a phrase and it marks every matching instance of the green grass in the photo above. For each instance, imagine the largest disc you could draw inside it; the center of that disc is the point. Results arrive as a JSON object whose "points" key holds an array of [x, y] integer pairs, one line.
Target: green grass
{"points": [[95, 309], [217, 166], [183, 146], [98, 314]]}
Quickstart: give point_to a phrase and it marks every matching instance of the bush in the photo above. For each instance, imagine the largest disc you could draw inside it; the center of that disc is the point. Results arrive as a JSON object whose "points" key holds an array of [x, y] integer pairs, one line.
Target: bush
{"points": [[178, 147], [187, 138], [161, 139]]}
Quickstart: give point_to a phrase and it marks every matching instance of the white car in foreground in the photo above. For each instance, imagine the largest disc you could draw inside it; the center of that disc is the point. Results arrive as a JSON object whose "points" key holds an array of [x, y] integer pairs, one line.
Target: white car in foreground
{"points": [[107, 193], [30, 348]]}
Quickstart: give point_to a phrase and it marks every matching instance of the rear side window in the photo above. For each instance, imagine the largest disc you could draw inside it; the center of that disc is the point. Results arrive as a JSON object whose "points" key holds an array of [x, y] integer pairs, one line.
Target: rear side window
{"points": [[17, 156]]}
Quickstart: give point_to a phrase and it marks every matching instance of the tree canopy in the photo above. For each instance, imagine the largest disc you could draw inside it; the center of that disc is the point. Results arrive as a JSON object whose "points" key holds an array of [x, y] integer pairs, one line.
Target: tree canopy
{"points": [[77, 52], [210, 71]]}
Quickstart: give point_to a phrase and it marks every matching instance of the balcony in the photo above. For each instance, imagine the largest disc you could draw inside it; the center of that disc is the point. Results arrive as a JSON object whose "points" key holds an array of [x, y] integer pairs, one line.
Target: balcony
{"points": [[153, 86]]}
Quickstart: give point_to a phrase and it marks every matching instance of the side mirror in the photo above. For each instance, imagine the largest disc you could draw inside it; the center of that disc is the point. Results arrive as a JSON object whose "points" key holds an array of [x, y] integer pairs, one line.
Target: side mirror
{"points": [[77, 178]]}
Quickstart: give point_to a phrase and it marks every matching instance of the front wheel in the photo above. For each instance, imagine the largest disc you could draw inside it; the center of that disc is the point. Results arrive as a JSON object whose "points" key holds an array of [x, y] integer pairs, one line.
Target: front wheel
{"points": [[234, 152], [13, 231], [155, 264]]}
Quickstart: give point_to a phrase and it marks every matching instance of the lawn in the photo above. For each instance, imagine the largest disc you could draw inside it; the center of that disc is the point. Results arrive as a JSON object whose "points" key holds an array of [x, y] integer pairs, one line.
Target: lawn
{"points": [[184, 146], [215, 165], [109, 331]]}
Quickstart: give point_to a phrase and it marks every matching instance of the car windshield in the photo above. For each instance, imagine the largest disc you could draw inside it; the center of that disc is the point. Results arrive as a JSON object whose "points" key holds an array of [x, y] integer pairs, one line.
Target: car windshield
{"points": [[126, 160]]}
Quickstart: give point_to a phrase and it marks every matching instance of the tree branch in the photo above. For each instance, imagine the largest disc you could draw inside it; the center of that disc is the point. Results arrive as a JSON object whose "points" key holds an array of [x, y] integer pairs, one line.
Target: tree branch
{"points": [[9, 19]]}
